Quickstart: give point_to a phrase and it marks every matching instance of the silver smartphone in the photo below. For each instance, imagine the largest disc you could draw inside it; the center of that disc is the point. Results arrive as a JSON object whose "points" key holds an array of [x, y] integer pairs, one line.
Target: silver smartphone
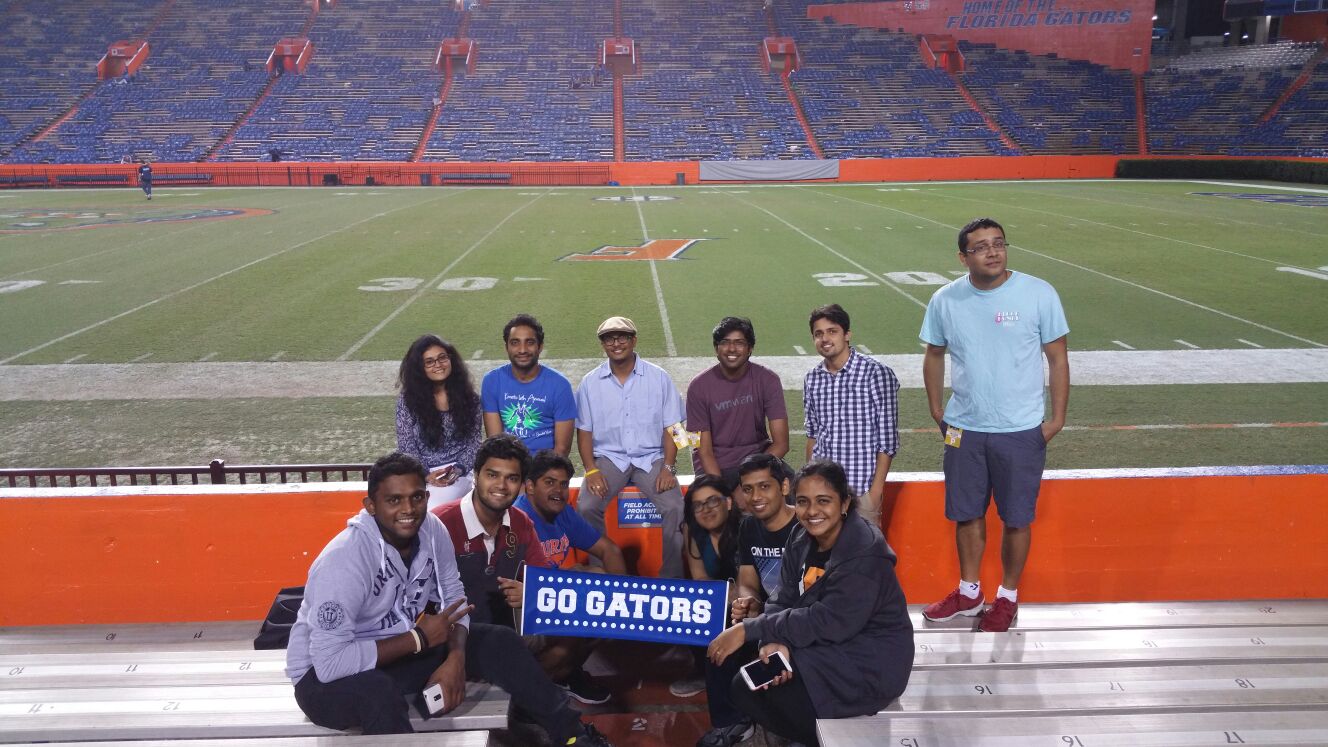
{"points": [[758, 673], [434, 700]]}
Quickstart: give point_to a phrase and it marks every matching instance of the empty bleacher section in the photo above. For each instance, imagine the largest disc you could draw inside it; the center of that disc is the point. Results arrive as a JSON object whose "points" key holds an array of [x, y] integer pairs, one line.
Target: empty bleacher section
{"points": [[702, 93], [205, 68], [1304, 117], [1050, 105], [1188, 673], [868, 94], [1216, 112], [368, 92], [520, 103], [1276, 55], [48, 61]]}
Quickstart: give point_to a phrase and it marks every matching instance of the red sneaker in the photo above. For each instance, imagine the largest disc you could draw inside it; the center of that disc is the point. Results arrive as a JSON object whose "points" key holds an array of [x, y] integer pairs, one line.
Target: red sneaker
{"points": [[999, 617], [954, 605]]}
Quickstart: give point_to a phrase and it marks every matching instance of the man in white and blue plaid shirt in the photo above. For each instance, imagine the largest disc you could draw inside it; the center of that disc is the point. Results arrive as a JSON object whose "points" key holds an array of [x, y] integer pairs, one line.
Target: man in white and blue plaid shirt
{"points": [[851, 404]]}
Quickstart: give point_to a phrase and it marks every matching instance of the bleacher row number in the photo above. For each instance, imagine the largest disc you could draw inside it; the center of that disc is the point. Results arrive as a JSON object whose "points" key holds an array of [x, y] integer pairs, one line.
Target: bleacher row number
{"points": [[1069, 740], [450, 284]]}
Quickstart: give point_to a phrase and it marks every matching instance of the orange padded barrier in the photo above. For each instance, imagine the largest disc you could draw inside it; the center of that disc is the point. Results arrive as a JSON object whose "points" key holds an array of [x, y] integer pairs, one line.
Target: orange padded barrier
{"points": [[392, 173], [177, 554]]}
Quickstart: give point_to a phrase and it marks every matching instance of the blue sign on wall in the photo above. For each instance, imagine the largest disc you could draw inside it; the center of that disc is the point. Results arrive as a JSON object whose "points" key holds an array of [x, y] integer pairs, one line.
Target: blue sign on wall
{"points": [[597, 605], [636, 511]]}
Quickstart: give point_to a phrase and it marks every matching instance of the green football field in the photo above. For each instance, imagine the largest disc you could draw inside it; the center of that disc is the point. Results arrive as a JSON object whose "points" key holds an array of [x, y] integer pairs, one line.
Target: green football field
{"points": [[243, 323]]}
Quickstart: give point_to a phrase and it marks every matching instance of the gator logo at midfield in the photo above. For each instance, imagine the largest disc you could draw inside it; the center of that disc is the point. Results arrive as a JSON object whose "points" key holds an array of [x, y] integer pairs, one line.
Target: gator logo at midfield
{"points": [[655, 249], [1279, 199], [25, 220]]}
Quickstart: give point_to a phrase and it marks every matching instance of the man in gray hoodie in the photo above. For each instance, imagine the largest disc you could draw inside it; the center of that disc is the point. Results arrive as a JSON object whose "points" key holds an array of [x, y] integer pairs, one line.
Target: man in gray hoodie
{"points": [[364, 637]]}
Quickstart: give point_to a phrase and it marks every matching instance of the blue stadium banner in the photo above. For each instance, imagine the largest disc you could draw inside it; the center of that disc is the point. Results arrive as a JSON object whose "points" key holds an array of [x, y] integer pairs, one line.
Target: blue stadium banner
{"points": [[635, 510], [597, 605]]}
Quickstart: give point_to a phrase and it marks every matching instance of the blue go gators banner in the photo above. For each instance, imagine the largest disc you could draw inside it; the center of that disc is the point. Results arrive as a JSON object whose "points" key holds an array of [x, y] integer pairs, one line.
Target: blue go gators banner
{"points": [[597, 605]]}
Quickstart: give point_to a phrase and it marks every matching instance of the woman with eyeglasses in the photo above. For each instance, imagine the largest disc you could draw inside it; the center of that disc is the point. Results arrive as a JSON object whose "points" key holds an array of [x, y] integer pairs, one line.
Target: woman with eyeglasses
{"points": [[838, 617], [710, 530], [438, 417], [710, 536]]}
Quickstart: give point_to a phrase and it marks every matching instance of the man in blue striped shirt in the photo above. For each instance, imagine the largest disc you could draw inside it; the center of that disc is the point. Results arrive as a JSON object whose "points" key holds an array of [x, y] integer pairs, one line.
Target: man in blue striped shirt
{"points": [[851, 404]]}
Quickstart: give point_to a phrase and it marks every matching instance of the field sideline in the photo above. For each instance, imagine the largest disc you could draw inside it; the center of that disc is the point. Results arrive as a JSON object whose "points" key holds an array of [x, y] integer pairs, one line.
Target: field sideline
{"points": [[1182, 290]]}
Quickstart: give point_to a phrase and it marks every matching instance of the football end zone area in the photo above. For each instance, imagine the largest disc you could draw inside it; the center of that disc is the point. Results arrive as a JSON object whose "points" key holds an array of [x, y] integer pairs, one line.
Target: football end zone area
{"points": [[1102, 536]]}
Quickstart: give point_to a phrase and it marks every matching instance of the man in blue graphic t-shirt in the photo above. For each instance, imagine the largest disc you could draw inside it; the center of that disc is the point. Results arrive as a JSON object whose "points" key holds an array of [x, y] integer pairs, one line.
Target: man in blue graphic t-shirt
{"points": [[561, 529], [528, 400]]}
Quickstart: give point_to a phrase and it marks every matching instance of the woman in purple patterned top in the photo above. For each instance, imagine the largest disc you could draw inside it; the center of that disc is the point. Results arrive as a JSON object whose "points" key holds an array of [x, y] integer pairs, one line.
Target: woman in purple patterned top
{"points": [[438, 416]]}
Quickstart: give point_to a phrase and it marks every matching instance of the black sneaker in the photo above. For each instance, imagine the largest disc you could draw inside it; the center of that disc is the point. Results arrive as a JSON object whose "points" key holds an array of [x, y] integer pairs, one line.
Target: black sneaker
{"points": [[584, 689], [726, 736], [589, 736]]}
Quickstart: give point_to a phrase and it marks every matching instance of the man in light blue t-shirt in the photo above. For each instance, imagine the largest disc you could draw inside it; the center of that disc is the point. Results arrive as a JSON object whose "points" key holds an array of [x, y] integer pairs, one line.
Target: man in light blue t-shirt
{"points": [[528, 400], [996, 324]]}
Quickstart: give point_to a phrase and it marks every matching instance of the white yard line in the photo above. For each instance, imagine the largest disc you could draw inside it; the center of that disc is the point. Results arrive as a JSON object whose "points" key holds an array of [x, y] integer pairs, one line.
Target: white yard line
{"points": [[427, 287], [1189, 345], [1099, 273], [1218, 221], [297, 379], [1123, 345], [835, 252], [669, 345], [202, 283], [1256, 185], [1113, 227], [1247, 342]]}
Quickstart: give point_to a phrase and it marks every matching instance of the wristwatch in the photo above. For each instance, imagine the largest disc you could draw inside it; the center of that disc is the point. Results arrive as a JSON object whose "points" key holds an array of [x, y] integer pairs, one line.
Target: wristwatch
{"points": [[672, 469]]}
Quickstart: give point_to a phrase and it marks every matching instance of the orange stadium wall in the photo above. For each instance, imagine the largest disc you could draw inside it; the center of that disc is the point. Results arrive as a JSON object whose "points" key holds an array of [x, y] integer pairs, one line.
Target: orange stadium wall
{"points": [[113, 555], [391, 173], [1305, 27], [298, 173]]}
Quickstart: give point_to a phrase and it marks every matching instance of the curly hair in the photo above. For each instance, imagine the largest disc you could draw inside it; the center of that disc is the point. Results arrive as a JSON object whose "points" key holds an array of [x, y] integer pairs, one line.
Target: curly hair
{"points": [[418, 392]]}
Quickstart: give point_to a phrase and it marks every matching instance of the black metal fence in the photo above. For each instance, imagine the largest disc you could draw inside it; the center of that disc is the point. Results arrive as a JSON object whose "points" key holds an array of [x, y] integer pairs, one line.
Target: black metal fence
{"points": [[215, 473]]}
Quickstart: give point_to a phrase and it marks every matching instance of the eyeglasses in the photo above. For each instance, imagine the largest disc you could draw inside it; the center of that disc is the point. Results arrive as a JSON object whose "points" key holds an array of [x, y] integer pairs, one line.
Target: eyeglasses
{"points": [[615, 339], [713, 501], [994, 247], [729, 343], [438, 362]]}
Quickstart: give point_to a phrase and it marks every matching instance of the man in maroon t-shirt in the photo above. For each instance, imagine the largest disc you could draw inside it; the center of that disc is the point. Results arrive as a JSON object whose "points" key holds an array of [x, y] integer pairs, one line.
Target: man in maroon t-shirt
{"points": [[737, 406]]}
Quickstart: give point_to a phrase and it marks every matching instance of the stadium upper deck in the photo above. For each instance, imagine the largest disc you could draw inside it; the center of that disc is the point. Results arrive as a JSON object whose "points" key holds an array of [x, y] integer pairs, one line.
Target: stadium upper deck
{"points": [[536, 92]]}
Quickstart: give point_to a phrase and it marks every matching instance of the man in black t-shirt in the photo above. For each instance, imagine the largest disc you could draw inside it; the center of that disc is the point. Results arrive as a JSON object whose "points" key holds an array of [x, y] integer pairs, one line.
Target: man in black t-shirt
{"points": [[762, 534], [764, 482]]}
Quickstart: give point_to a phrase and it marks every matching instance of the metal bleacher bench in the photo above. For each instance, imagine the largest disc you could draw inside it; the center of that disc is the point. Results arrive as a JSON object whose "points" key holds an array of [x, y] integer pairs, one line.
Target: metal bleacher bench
{"points": [[110, 683], [1082, 675], [182, 178], [474, 178], [23, 180], [92, 178]]}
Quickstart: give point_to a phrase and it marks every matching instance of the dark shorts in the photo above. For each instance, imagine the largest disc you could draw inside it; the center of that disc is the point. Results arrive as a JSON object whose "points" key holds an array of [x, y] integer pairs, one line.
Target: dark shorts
{"points": [[1006, 466]]}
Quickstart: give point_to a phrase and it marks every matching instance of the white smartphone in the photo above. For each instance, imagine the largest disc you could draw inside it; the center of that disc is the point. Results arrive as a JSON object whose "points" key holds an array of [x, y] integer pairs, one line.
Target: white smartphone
{"points": [[434, 700], [758, 674]]}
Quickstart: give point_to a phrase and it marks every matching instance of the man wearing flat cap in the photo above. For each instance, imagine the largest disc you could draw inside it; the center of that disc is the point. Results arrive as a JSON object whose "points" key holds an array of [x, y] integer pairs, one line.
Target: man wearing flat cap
{"points": [[624, 409]]}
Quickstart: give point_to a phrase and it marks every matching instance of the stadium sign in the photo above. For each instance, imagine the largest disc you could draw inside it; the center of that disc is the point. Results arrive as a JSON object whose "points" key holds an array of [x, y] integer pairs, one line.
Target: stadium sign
{"points": [[597, 605]]}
